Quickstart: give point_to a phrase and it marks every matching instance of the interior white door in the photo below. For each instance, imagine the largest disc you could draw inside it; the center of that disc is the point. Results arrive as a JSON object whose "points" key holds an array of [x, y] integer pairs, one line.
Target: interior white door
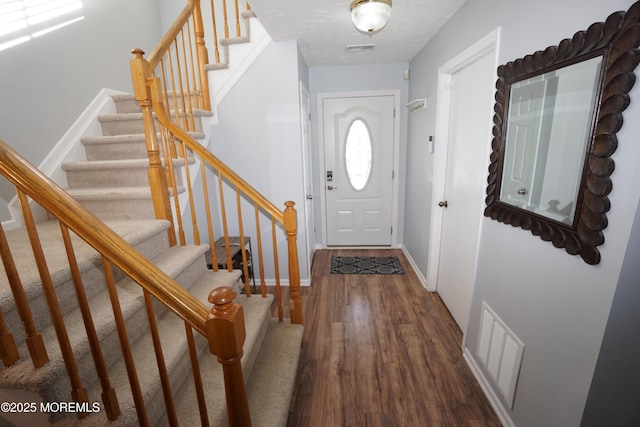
{"points": [[522, 143], [359, 145], [469, 130]]}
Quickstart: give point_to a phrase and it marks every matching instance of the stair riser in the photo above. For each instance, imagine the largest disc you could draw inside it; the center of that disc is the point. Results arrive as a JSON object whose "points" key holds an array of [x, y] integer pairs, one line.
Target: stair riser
{"points": [[127, 126], [126, 105], [104, 178], [121, 209], [137, 176], [116, 151]]}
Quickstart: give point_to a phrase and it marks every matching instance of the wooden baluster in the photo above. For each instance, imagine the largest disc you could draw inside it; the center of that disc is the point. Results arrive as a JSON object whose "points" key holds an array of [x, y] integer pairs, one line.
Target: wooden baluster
{"points": [[197, 377], [185, 86], [78, 392], [290, 226], [136, 392], [192, 206], [194, 99], [169, 153], [203, 57], [207, 207], [182, 109], [276, 266], [162, 366], [157, 176], [109, 398], [225, 228], [168, 143], [216, 51], [226, 334], [237, 19], [263, 287], [35, 344], [8, 349], [226, 21], [243, 253]]}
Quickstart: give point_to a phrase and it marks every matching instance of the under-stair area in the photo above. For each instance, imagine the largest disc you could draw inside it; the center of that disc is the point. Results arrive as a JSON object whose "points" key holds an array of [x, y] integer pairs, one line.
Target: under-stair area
{"points": [[84, 341]]}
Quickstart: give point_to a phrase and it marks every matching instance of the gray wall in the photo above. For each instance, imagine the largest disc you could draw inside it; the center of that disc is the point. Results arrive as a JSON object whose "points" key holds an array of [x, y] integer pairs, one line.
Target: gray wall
{"points": [[47, 82], [614, 396], [357, 78], [259, 137], [555, 303]]}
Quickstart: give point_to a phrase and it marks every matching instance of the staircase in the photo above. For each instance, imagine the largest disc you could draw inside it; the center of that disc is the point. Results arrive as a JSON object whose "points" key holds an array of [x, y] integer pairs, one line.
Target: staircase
{"points": [[113, 184]]}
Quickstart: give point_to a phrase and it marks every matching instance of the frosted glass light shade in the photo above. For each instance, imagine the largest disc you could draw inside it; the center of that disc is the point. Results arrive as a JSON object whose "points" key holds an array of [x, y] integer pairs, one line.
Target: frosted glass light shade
{"points": [[370, 16]]}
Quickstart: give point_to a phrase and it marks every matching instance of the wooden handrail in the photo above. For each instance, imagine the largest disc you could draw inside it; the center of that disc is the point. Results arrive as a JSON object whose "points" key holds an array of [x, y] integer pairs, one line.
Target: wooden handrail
{"points": [[210, 158], [88, 227], [165, 42]]}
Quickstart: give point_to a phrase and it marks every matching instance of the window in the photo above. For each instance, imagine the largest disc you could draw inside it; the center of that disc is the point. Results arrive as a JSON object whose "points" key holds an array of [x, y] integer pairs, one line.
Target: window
{"points": [[358, 153], [20, 21]]}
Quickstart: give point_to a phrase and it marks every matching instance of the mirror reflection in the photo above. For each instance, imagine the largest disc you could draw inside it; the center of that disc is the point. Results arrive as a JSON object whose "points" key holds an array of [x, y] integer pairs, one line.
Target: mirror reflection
{"points": [[549, 125]]}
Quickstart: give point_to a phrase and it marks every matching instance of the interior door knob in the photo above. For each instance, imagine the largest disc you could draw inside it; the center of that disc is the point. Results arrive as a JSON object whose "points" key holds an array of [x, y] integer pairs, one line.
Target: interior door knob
{"points": [[309, 197], [331, 187], [443, 204]]}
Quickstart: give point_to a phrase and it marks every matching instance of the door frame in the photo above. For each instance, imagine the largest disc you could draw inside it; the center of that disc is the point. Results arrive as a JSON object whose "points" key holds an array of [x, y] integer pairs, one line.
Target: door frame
{"points": [[488, 45], [396, 156], [307, 167]]}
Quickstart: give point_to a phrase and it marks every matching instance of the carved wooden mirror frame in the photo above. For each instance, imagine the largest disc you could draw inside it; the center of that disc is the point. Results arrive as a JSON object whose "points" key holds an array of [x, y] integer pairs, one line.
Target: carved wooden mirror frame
{"points": [[617, 40]]}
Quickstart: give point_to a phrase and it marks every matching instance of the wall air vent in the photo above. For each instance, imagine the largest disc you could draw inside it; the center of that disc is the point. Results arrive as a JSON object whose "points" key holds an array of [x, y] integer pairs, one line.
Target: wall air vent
{"points": [[359, 47]]}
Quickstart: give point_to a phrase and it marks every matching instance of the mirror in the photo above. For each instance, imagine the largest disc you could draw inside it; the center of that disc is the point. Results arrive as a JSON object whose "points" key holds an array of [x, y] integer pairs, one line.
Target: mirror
{"points": [[557, 113]]}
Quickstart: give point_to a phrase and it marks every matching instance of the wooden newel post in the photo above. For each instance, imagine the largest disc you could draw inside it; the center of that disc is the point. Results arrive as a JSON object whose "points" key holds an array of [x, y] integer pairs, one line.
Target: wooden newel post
{"points": [[226, 334], [291, 228], [157, 175]]}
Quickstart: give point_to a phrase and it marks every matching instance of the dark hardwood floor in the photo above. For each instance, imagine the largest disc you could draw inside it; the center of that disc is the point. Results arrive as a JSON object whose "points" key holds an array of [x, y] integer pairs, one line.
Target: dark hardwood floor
{"points": [[379, 350]]}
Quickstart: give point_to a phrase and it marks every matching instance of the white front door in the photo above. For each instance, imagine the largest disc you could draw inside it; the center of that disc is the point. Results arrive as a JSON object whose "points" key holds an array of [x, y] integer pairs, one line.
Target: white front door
{"points": [[467, 89], [358, 176]]}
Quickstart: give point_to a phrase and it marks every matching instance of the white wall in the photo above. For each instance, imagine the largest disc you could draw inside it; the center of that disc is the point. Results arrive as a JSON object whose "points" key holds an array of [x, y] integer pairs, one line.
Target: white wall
{"points": [[47, 82], [555, 303], [357, 78], [259, 136]]}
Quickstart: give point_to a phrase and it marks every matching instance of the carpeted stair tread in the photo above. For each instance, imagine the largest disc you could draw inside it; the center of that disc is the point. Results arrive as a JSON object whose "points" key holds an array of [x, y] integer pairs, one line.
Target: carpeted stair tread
{"points": [[138, 116], [257, 312], [272, 381], [110, 193], [105, 164]]}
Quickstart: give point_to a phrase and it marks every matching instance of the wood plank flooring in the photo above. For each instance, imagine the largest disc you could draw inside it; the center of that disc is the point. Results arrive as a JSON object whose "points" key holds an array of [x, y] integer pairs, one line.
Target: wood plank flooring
{"points": [[379, 350]]}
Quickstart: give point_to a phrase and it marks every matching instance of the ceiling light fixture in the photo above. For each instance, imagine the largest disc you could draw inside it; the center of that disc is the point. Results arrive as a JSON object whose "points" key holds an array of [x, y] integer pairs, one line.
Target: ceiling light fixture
{"points": [[370, 16]]}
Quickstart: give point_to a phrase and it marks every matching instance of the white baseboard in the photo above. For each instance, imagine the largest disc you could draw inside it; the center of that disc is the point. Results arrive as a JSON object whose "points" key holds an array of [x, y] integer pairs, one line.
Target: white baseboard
{"points": [[493, 398], [285, 282], [421, 277]]}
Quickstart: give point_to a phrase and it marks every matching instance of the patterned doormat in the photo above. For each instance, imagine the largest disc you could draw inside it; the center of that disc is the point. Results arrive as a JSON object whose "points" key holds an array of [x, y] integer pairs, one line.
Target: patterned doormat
{"points": [[365, 265]]}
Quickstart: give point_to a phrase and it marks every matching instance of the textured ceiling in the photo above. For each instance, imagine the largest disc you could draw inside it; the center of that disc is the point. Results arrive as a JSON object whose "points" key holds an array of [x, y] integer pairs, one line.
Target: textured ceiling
{"points": [[323, 28]]}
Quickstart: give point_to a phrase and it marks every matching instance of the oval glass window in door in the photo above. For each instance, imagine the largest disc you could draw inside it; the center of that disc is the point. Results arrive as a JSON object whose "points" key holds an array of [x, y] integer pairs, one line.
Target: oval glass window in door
{"points": [[357, 154]]}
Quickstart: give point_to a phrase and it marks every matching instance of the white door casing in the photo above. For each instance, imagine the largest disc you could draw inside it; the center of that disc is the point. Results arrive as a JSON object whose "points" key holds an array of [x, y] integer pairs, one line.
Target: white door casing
{"points": [[305, 113], [358, 212], [463, 134]]}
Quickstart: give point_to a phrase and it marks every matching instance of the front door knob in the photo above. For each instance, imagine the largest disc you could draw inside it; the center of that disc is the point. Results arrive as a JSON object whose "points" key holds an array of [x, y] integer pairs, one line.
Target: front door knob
{"points": [[443, 204], [331, 187]]}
